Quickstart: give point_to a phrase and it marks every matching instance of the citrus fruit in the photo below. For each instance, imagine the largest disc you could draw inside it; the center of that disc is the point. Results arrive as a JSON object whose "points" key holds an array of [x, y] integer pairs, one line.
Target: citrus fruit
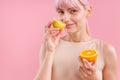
{"points": [[58, 24], [89, 54]]}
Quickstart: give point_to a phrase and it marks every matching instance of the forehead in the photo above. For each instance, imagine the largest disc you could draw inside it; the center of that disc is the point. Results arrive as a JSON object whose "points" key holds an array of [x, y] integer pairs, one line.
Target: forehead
{"points": [[60, 4]]}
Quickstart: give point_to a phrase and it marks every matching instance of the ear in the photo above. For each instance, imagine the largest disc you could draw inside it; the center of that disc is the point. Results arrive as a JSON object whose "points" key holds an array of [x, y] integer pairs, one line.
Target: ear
{"points": [[89, 11]]}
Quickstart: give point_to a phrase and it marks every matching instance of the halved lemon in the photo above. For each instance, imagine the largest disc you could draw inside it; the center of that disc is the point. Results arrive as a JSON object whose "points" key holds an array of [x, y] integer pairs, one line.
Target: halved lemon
{"points": [[58, 24], [89, 54]]}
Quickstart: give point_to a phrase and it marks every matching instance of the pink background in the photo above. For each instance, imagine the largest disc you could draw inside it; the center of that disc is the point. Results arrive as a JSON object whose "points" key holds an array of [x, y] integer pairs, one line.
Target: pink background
{"points": [[21, 32]]}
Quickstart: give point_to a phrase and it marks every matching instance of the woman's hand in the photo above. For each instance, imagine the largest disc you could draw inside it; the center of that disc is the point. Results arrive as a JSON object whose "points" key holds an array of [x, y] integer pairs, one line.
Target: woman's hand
{"points": [[87, 70], [52, 36]]}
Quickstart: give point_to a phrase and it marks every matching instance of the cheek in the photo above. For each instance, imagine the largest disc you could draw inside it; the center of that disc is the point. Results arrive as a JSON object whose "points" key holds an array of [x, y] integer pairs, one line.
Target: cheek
{"points": [[79, 17]]}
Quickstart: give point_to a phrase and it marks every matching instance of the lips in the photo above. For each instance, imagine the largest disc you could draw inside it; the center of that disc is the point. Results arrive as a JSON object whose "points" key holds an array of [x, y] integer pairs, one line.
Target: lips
{"points": [[68, 26]]}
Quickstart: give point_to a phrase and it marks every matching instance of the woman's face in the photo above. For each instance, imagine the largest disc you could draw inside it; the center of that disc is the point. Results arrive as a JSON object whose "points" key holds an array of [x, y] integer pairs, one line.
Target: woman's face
{"points": [[74, 18]]}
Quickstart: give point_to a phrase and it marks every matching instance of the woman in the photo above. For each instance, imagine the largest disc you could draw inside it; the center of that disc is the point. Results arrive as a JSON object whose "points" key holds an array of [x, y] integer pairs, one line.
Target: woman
{"points": [[59, 56]]}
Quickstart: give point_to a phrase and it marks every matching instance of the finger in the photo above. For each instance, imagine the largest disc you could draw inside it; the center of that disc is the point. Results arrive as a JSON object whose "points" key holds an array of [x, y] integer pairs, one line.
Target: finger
{"points": [[53, 29], [48, 25], [58, 34], [47, 30], [46, 33], [80, 61], [94, 63], [86, 64], [55, 33], [87, 71], [82, 72]]}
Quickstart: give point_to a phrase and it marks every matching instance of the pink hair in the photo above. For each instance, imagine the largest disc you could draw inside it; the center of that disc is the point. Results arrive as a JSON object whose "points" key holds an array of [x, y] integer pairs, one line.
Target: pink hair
{"points": [[72, 3]]}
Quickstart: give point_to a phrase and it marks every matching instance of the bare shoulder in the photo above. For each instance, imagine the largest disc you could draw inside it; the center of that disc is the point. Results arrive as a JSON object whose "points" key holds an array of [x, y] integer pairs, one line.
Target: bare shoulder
{"points": [[109, 51], [110, 59], [110, 56]]}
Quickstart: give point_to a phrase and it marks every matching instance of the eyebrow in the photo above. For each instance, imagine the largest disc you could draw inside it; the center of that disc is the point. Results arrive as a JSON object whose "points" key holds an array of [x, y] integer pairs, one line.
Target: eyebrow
{"points": [[67, 9], [72, 8], [58, 9]]}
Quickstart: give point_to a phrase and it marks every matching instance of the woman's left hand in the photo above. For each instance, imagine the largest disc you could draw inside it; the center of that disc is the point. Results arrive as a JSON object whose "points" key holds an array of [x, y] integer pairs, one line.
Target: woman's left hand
{"points": [[87, 70]]}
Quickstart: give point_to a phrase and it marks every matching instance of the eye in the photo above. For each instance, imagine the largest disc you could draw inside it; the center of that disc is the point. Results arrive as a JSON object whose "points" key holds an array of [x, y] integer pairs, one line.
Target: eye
{"points": [[60, 12], [73, 11]]}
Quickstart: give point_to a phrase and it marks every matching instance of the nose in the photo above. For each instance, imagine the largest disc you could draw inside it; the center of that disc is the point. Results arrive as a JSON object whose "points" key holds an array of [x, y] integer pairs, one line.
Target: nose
{"points": [[65, 18]]}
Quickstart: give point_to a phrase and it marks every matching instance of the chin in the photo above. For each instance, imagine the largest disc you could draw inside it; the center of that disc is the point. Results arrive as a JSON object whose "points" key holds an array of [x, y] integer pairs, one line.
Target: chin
{"points": [[71, 30]]}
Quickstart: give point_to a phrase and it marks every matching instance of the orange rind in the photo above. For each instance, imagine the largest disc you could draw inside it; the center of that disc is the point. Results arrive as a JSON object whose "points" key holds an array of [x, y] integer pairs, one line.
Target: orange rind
{"points": [[89, 54], [58, 24]]}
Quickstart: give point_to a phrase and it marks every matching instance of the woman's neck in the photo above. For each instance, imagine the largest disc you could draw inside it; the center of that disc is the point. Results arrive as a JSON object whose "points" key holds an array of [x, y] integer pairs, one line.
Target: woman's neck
{"points": [[78, 37]]}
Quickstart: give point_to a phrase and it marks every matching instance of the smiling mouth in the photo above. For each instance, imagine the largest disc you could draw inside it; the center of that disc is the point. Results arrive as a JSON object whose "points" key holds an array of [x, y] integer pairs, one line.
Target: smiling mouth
{"points": [[69, 26]]}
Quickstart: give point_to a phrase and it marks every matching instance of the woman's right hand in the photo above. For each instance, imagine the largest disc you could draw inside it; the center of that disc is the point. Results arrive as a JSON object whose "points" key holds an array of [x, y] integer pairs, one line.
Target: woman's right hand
{"points": [[52, 36]]}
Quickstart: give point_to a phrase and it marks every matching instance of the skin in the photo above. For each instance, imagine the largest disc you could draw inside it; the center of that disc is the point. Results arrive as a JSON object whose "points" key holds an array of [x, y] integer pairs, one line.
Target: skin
{"points": [[75, 20]]}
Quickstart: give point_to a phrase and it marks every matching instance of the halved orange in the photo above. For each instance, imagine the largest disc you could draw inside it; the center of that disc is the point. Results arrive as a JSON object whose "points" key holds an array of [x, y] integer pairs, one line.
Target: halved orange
{"points": [[89, 54], [58, 24]]}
